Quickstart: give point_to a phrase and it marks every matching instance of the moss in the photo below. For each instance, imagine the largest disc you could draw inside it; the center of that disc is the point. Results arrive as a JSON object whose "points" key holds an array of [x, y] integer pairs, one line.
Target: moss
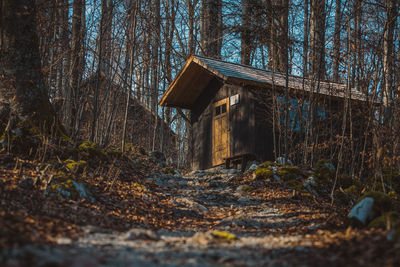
{"points": [[322, 173], [140, 187], [263, 173], [382, 202], [295, 185], [90, 151], [386, 221], [135, 149], [64, 187], [266, 164], [288, 173], [223, 235], [75, 166]]}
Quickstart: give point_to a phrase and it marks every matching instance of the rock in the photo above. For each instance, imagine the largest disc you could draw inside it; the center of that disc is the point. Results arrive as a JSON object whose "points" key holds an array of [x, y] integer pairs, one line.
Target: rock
{"points": [[252, 167], [363, 211], [192, 204], [211, 237], [330, 166], [140, 234], [68, 188], [244, 188], [288, 173], [159, 157], [27, 183], [243, 200], [276, 177], [283, 161], [262, 174], [309, 185], [177, 173]]}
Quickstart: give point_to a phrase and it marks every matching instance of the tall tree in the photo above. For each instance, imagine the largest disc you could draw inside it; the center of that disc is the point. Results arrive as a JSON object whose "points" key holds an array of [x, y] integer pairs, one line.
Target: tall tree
{"points": [[277, 23], [247, 42], [24, 103], [77, 62], [211, 28], [336, 40], [317, 39], [388, 53]]}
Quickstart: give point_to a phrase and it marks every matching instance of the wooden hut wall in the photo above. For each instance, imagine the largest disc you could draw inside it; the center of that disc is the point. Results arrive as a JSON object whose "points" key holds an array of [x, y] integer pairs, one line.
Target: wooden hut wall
{"points": [[241, 123]]}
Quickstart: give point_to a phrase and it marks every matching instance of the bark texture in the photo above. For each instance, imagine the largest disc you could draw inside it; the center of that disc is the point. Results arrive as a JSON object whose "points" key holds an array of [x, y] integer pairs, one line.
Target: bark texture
{"points": [[23, 95]]}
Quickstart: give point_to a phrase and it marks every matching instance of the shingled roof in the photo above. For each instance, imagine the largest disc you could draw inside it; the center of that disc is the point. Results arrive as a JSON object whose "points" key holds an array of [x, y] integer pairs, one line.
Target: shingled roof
{"points": [[198, 71]]}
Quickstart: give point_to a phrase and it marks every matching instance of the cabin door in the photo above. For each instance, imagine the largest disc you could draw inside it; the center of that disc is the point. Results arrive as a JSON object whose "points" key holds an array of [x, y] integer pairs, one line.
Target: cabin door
{"points": [[220, 132]]}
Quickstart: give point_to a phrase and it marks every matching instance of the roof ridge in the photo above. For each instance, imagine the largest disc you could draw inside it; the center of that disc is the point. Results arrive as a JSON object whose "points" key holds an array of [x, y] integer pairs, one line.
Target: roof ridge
{"points": [[268, 71]]}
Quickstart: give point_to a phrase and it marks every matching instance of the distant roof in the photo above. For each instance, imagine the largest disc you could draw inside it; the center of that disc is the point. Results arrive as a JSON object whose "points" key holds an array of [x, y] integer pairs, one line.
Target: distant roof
{"points": [[198, 71]]}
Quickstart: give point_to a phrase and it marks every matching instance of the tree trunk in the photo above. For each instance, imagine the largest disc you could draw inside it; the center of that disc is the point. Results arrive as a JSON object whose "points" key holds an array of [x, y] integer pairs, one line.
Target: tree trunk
{"points": [[211, 28], [388, 64], [77, 61], [24, 103], [336, 41], [277, 24], [317, 39]]}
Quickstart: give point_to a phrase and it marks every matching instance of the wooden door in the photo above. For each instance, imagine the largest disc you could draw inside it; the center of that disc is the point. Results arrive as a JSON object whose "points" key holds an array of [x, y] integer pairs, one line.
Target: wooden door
{"points": [[220, 132]]}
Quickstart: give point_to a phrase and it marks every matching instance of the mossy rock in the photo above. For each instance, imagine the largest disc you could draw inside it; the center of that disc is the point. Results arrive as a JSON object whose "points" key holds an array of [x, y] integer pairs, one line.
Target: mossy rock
{"points": [[382, 202], [245, 188], [386, 221], [135, 149], [63, 187], [266, 164], [295, 185], [223, 235], [263, 173], [324, 173], [288, 173], [75, 166], [90, 151]]}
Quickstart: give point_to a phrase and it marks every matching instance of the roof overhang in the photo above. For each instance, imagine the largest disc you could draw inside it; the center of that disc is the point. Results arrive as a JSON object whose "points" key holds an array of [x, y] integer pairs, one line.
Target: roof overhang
{"points": [[189, 84], [198, 72]]}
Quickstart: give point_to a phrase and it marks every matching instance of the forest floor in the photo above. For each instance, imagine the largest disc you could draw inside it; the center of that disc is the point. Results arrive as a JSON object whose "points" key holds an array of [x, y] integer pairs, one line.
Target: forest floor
{"points": [[141, 217]]}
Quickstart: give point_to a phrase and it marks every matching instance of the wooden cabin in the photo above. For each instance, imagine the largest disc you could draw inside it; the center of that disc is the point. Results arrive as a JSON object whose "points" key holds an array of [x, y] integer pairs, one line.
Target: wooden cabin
{"points": [[231, 108]]}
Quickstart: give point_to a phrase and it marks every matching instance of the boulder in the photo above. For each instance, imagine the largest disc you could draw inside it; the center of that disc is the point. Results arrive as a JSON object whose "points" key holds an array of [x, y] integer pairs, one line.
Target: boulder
{"points": [[363, 211], [310, 185], [159, 157], [69, 189], [283, 161]]}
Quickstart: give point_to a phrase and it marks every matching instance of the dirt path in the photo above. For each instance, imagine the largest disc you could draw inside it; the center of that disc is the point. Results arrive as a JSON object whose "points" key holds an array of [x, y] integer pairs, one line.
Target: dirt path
{"points": [[227, 225]]}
